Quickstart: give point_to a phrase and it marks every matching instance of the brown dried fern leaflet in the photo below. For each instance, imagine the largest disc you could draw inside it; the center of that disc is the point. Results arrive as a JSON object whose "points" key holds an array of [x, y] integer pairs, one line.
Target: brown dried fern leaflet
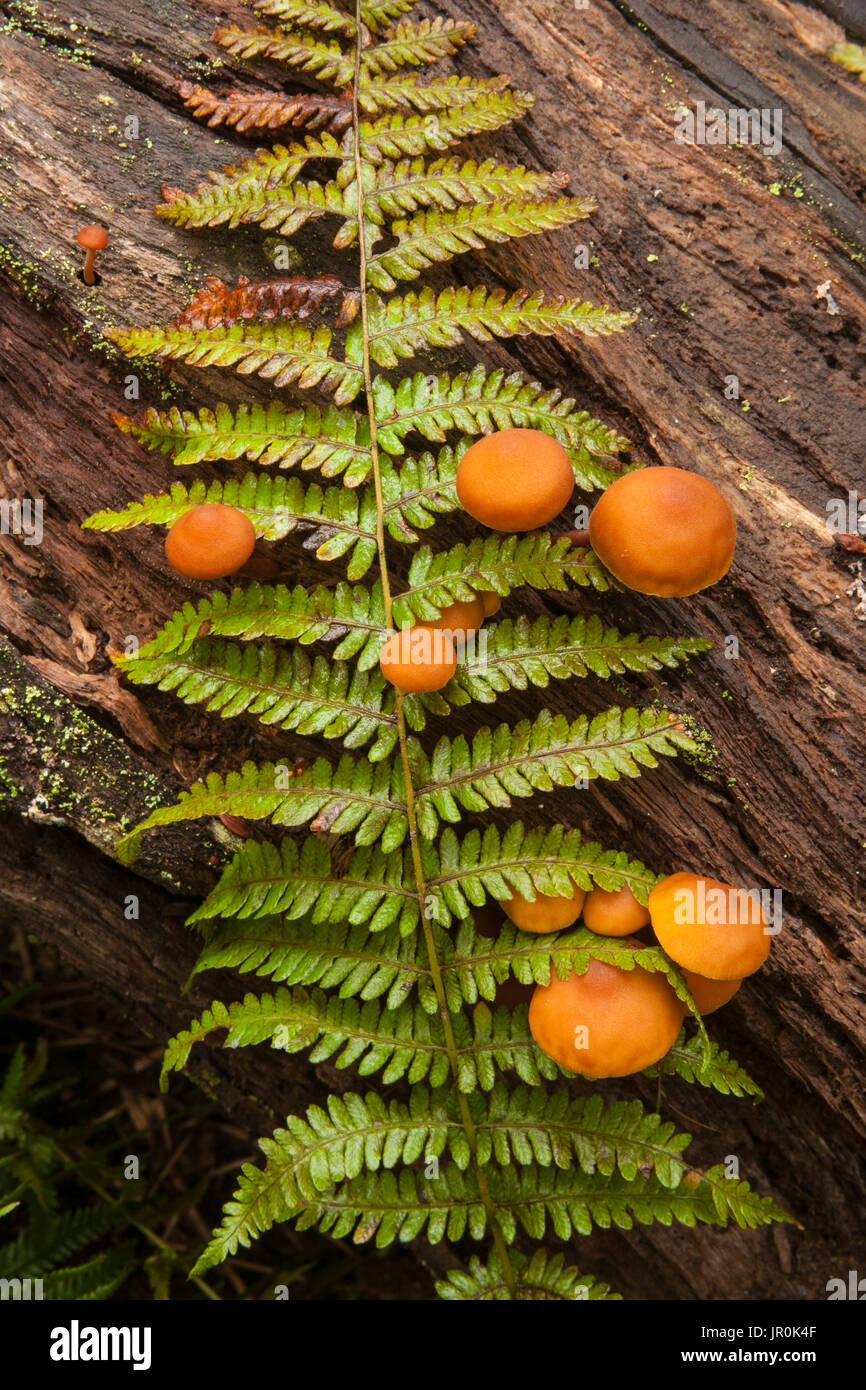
{"points": [[260, 109], [289, 297]]}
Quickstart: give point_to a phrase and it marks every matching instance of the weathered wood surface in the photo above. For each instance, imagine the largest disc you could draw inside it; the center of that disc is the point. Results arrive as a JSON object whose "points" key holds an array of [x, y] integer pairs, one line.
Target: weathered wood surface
{"points": [[724, 260]]}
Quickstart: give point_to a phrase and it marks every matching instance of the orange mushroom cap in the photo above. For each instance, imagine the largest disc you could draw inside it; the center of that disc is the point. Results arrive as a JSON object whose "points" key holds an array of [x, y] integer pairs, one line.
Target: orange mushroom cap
{"points": [[614, 913], [93, 238], [709, 927], [608, 1021], [210, 541], [545, 912], [664, 531], [709, 995], [418, 659], [515, 480], [459, 619]]}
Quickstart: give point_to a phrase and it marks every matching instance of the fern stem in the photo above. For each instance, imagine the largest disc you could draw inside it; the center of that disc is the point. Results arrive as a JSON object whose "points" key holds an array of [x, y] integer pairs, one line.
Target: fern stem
{"points": [[365, 323], [411, 817]]}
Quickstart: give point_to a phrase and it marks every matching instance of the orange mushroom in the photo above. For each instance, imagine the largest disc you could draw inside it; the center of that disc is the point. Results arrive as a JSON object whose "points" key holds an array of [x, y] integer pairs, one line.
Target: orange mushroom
{"points": [[709, 995], [490, 602], [515, 480], [93, 239], [608, 1021], [418, 659], [210, 541], [459, 619], [709, 927], [544, 913], [664, 531], [616, 913]]}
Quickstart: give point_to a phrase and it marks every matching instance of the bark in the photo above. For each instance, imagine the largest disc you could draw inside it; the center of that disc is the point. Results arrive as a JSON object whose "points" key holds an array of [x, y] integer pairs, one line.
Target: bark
{"points": [[724, 251]]}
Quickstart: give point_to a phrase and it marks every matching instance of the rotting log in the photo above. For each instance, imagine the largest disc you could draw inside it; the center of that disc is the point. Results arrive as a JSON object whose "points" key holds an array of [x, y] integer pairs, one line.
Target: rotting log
{"points": [[724, 251]]}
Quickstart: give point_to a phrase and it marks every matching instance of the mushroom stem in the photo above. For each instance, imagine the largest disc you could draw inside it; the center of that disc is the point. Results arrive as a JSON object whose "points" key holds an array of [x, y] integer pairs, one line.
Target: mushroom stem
{"points": [[89, 275]]}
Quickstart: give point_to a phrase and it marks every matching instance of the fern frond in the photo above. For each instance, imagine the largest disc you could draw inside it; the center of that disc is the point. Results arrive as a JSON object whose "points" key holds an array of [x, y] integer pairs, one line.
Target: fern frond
{"points": [[406, 1041], [406, 326], [325, 60], [689, 1059], [436, 236], [537, 756], [356, 795], [336, 441], [284, 207], [439, 94], [317, 697], [367, 797], [481, 401], [401, 1207], [331, 916], [542, 1278], [282, 353], [472, 966], [94, 1281], [311, 14], [419, 490], [263, 879], [851, 55], [522, 861], [264, 109], [410, 45], [446, 183], [734, 1200], [523, 653], [315, 14], [531, 1125], [366, 1133], [226, 193], [354, 617], [11, 1091], [328, 954], [380, 14], [237, 185], [78, 1227], [397, 135], [329, 439], [496, 562], [338, 522], [217, 305], [69, 1232]]}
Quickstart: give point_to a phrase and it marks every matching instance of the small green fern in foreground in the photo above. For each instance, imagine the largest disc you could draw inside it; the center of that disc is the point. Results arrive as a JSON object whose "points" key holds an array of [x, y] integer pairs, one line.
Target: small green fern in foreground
{"points": [[44, 1258], [364, 922]]}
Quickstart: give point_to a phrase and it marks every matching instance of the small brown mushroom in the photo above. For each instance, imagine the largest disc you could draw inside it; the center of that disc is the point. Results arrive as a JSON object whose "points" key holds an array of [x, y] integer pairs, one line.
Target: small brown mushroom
{"points": [[93, 239]]}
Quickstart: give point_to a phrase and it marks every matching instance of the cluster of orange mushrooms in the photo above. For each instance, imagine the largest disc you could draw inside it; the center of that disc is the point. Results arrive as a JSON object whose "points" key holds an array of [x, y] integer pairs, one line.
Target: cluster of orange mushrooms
{"points": [[662, 531], [610, 1021]]}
